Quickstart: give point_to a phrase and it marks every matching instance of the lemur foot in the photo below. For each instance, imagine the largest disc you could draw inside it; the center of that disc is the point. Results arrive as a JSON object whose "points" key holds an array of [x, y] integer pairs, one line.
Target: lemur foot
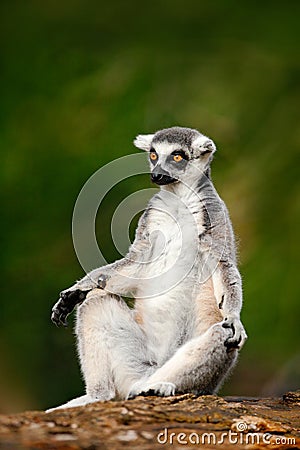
{"points": [[161, 389], [65, 305], [239, 335]]}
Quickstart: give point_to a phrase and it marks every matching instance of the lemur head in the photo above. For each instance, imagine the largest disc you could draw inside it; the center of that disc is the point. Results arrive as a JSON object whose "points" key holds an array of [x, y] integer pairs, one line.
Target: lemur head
{"points": [[177, 154]]}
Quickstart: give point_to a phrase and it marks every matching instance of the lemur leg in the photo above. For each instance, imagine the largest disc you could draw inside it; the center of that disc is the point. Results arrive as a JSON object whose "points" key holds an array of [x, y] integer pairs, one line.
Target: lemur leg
{"points": [[119, 278], [199, 366], [112, 346]]}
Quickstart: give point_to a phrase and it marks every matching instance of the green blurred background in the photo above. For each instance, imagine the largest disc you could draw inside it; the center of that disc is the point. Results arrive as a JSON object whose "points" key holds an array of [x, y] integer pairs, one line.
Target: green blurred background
{"points": [[79, 79]]}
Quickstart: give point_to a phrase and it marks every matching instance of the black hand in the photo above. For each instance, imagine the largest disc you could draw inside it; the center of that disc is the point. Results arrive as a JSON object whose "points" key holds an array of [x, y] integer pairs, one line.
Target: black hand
{"points": [[230, 344], [235, 340], [65, 305]]}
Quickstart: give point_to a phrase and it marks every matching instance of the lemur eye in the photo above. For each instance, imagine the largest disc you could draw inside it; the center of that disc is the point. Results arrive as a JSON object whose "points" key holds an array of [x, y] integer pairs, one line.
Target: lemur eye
{"points": [[177, 158], [153, 156]]}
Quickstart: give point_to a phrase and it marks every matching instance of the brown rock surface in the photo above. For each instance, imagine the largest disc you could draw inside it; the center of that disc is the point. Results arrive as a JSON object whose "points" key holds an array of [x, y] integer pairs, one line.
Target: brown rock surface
{"points": [[151, 422]]}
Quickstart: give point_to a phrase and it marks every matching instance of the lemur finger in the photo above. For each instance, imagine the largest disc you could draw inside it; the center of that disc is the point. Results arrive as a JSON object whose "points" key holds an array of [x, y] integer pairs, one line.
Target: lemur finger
{"points": [[233, 342], [229, 325], [63, 320], [55, 318], [131, 396], [149, 393]]}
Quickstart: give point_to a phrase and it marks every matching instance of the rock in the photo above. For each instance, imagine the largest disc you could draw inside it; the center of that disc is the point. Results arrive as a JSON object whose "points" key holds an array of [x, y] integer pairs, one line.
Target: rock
{"points": [[292, 397], [151, 422]]}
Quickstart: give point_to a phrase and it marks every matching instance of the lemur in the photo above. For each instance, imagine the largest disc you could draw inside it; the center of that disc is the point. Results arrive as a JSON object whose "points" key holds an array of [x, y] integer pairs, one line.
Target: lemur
{"points": [[184, 332]]}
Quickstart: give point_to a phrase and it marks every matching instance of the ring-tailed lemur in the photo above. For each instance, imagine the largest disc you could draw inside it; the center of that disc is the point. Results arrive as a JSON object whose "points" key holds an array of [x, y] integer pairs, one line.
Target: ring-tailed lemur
{"points": [[184, 332]]}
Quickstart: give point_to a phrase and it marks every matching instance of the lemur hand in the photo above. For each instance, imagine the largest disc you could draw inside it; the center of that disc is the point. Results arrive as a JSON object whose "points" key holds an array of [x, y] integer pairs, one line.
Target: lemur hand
{"points": [[73, 296], [64, 306], [239, 335]]}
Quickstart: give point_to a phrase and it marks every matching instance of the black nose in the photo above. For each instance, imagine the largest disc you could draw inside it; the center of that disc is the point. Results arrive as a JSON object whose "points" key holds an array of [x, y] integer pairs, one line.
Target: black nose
{"points": [[162, 179], [156, 177]]}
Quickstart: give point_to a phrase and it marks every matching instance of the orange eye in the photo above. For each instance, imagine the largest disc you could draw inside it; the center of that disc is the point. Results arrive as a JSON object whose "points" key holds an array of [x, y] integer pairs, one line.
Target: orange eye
{"points": [[177, 158], [153, 156]]}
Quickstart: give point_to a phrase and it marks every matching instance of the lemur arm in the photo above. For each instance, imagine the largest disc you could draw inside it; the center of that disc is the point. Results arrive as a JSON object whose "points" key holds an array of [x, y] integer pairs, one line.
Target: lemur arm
{"points": [[228, 293], [226, 277], [120, 277]]}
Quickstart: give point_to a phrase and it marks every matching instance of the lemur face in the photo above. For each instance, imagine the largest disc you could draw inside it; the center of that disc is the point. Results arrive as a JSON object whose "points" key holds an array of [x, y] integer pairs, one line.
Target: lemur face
{"points": [[176, 154]]}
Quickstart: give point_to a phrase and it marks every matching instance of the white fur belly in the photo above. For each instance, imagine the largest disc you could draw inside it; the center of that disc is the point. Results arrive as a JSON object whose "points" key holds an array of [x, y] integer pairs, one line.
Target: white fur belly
{"points": [[173, 252]]}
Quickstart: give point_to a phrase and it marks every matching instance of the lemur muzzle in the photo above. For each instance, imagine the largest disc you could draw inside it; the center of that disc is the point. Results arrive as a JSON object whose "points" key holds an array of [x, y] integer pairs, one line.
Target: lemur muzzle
{"points": [[161, 177]]}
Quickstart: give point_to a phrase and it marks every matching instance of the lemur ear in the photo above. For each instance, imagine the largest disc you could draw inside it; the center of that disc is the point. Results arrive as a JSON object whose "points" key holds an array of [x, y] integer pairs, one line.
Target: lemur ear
{"points": [[203, 145], [143, 141]]}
